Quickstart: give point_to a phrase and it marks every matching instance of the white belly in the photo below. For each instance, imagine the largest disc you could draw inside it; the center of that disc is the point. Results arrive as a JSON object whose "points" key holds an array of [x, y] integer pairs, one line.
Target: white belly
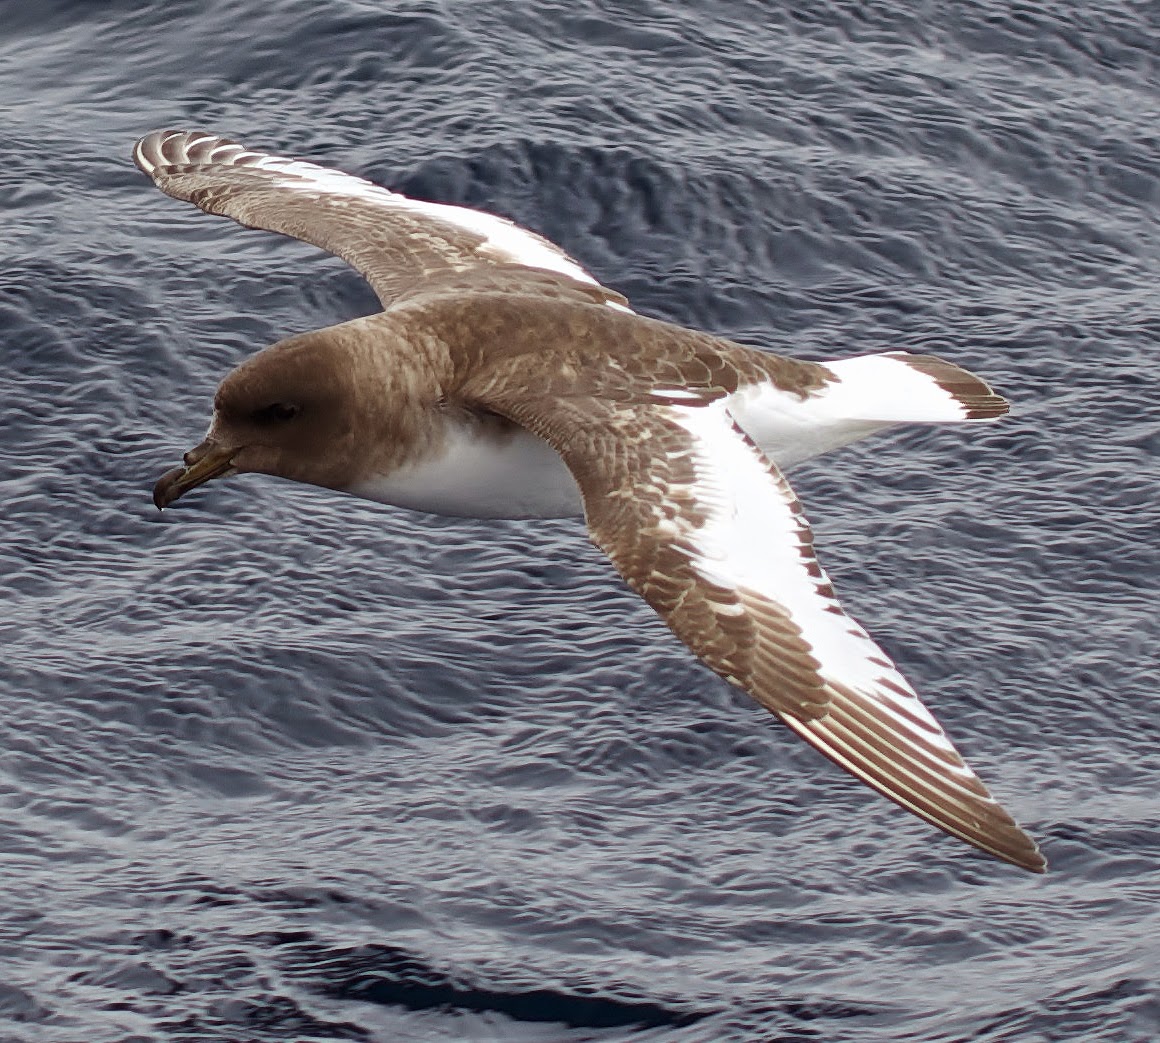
{"points": [[478, 476]]}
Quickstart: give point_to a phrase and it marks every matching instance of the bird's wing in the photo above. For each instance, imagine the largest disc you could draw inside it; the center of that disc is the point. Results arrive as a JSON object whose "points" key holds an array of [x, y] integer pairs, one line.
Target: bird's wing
{"points": [[710, 534], [403, 247]]}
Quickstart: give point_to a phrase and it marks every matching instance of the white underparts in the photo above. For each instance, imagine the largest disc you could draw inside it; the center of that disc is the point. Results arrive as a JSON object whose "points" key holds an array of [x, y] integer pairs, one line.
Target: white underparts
{"points": [[475, 474]]}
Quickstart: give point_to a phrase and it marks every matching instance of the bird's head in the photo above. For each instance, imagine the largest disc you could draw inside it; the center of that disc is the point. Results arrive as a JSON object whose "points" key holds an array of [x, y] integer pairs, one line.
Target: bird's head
{"points": [[292, 410]]}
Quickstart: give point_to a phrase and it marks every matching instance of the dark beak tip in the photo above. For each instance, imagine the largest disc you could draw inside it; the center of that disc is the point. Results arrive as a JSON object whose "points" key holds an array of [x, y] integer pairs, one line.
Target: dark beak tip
{"points": [[203, 464], [166, 489]]}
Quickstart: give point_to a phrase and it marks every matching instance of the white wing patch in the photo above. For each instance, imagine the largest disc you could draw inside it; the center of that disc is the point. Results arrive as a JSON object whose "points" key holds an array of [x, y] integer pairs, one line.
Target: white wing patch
{"points": [[756, 538]]}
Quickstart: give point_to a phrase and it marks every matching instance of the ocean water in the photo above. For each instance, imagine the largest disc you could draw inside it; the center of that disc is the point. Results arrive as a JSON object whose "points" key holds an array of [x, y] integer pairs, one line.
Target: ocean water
{"points": [[282, 765]]}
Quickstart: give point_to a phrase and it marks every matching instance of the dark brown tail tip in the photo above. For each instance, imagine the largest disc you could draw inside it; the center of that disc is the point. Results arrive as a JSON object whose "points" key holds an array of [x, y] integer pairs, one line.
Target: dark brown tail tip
{"points": [[973, 394]]}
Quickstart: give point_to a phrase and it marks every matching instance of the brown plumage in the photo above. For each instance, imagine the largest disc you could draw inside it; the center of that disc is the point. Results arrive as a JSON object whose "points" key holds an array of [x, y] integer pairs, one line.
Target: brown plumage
{"points": [[502, 380]]}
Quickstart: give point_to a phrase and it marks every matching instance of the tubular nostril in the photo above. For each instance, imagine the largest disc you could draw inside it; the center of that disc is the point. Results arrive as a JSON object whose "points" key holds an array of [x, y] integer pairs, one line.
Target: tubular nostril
{"points": [[197, 453]]}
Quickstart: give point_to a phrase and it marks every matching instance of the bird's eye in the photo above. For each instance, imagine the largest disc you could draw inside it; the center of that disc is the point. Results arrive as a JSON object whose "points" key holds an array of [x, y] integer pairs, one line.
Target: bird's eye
{"points": [[276, 411]]}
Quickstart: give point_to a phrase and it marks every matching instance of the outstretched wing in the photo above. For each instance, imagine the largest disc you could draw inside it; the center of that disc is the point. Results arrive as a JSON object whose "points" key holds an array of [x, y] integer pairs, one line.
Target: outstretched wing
{"points": [[710, 534], [402, 247]]}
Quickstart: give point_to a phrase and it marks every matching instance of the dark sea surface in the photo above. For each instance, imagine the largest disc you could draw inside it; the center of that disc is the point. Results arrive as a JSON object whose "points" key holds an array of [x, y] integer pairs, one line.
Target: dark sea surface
{"points": [[280, 764]]}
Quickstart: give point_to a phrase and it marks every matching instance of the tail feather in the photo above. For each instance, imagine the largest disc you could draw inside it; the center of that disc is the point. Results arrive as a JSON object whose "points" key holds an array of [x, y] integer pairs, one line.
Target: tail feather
{"points": [[973, 395], [864, 394], [898, 387]]}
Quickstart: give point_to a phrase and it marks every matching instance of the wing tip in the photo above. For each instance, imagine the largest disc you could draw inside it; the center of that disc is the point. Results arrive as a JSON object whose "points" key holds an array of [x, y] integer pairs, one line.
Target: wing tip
{"points": [[1035, 862], [950, 797], [1030, 860], [1017, 849], [160, 149]]}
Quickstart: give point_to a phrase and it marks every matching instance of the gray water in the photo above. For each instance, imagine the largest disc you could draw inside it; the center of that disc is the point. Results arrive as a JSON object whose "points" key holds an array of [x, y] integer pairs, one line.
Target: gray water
{"points": [[284, 765]]}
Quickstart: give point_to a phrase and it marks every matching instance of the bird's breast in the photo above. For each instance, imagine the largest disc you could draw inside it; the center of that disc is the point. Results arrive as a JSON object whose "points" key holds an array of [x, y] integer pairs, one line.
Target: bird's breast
{"points": [[480, 471]]}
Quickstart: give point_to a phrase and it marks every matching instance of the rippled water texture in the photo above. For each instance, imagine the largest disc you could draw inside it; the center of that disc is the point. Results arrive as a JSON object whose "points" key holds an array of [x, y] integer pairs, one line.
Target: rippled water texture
{"points": [[280, 765]]}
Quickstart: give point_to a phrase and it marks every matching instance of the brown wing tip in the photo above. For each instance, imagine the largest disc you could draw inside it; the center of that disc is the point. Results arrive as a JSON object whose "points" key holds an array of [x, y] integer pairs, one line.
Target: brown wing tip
{"points": [[1034, 861], [998, 834], [975, 396], [1016, 847], [174, 148], [932, 782]]}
